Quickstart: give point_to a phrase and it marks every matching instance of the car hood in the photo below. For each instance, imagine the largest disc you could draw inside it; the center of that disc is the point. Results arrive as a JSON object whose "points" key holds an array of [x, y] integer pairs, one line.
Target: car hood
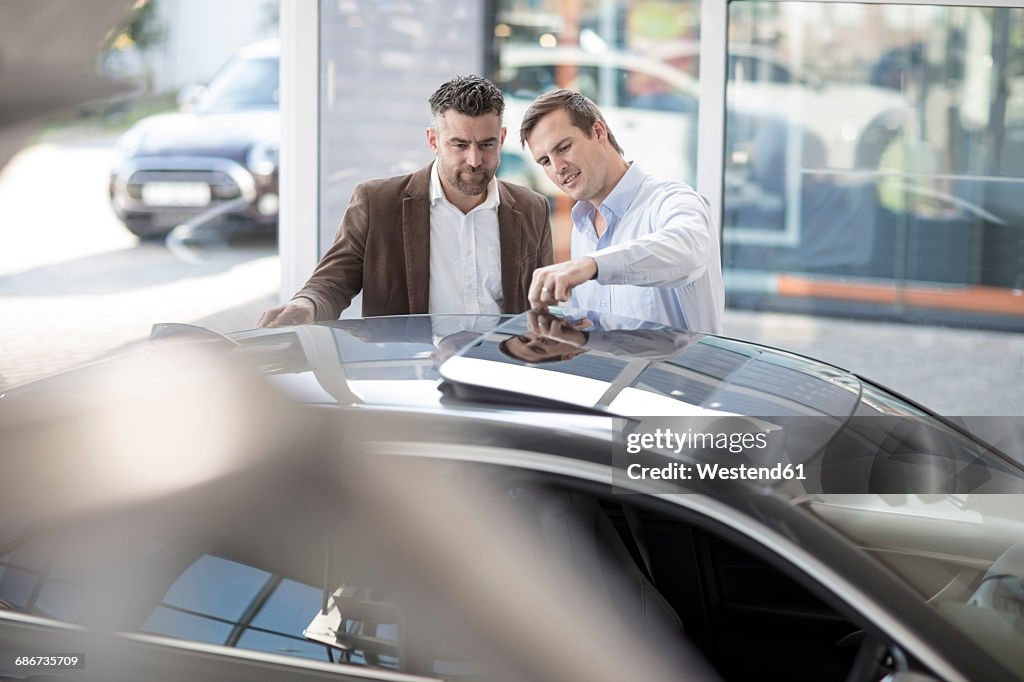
{"points": [[190, 134]]}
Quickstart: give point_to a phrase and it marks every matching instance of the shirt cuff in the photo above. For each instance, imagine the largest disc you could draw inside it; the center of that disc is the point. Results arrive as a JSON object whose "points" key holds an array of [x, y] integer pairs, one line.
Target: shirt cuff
{"points": [[611, 266]]}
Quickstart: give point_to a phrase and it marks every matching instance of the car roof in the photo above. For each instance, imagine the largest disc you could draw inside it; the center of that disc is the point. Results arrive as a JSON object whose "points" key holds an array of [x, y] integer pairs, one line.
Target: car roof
{"points": [[366, 357], [446, 374], [639, 371], [633, 377]]}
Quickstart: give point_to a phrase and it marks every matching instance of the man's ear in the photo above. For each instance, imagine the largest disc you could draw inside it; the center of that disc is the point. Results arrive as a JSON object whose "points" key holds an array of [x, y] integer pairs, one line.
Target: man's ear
{"points": [[432, 139], [504, 130], [600, 130]]}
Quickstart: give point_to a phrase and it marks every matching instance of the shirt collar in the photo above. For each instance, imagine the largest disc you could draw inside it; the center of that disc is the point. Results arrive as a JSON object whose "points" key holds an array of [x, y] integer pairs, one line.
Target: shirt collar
{"points": [[437, 192], [618, 200]]}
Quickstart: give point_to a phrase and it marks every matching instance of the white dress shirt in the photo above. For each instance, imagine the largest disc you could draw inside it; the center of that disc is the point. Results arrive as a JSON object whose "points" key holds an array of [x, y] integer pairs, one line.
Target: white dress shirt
{"points": [[659, 258], [465, 253]]}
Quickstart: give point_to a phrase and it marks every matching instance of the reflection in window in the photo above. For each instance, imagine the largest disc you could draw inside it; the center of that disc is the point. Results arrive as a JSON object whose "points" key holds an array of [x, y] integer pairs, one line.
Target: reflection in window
{"points": [[875, 167], [16, 586], [712, 375], [62, 601], [216, 587], [215, 600], [279, 644], [289, 607], [637, 60], [225, 602], [196, 628], [888, 179]]}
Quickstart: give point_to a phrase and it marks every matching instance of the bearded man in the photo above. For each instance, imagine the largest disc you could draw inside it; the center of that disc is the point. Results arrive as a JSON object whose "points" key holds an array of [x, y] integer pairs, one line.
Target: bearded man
{"points": [[449, 238]]}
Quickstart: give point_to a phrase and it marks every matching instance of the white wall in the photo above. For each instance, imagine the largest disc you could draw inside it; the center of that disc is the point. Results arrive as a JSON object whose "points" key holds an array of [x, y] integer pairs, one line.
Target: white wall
{"points": [[202, 34]]}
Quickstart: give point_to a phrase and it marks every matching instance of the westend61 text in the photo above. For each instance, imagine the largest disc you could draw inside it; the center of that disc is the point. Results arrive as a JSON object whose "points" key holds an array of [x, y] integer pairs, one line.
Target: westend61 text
{"points": [[666, 439], [678, 471]]}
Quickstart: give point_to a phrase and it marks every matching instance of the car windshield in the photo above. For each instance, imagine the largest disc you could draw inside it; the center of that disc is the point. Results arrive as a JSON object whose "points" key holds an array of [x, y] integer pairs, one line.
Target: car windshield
{"points": [[937, 515], [964, 554], [244, 83]]}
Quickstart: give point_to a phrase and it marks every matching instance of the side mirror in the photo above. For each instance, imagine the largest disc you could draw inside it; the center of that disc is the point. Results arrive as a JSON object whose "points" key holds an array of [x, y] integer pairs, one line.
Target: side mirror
{"points": [[189, 95]]}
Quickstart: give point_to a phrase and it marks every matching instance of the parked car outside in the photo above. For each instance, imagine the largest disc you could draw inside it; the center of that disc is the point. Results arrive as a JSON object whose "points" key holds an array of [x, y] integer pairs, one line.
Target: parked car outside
{"points": [[216, 158], [401, 496]]}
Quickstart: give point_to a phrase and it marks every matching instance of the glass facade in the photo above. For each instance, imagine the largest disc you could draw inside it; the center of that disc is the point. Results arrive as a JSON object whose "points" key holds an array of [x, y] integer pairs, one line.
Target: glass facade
{"points": [[379, 63], [874, 160], [872, 152], [637, 60]]}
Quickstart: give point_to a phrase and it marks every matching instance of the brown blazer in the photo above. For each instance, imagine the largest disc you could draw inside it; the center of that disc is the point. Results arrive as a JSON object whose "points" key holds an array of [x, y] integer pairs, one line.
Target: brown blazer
{"points": [[383, 248]]}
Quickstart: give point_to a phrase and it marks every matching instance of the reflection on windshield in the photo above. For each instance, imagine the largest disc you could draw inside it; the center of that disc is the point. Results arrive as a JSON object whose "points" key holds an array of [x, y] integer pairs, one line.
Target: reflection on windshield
{"points": [[242, 84]]}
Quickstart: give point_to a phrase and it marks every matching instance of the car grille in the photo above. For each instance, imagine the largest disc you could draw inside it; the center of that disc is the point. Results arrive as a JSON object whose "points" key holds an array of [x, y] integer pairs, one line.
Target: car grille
{"points": [[222, 186]]}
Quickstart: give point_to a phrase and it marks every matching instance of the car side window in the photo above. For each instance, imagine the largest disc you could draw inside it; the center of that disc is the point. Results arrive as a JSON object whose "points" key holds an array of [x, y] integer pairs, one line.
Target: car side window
{"points": [[220, 601], [234, 601], [742, 613], [749, 619]]}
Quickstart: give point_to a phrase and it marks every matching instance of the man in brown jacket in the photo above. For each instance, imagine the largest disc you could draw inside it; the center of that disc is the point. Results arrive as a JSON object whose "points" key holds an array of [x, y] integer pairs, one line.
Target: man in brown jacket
{"points": [[449, 238]]}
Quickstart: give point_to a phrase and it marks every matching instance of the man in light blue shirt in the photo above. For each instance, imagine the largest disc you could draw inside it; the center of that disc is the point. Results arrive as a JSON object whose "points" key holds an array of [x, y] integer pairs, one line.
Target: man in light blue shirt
{"points": [[641, 247]]}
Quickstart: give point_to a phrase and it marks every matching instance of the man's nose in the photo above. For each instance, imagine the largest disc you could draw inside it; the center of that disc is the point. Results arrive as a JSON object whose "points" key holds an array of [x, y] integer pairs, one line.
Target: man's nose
{"points": [[474, 156]]}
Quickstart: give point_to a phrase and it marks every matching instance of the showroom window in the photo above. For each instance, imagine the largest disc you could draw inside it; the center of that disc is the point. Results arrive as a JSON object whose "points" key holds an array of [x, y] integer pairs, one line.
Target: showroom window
{"points": [[871, 156], [869, 165], [888, 176], [637, 60]]}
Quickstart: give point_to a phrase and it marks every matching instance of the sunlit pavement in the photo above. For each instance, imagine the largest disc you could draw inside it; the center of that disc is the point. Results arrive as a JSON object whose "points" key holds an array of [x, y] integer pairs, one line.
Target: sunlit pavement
{"points": [[74, 284]]}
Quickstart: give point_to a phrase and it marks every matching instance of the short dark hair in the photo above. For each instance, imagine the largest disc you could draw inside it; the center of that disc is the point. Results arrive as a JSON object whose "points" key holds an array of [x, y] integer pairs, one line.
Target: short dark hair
{"points": [[466, 95], [583, 113]]}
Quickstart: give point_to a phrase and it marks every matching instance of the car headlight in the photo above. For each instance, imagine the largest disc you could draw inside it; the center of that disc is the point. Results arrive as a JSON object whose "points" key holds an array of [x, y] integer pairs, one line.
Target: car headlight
{"points": [[262, 158]]}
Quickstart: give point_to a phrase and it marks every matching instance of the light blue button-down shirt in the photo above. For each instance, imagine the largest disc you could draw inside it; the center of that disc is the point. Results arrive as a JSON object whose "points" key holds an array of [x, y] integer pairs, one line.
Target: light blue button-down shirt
{"points": [[659, 258]]}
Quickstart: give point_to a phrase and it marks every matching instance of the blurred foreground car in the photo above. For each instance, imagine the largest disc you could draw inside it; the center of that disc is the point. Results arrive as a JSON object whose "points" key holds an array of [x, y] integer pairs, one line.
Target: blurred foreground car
{"points": [[401, 498], [215, 159]]}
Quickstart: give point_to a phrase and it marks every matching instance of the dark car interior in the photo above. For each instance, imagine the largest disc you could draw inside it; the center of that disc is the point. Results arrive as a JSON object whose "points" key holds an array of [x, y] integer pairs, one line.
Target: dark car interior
{"points": [[751, 620], [746, 617]]}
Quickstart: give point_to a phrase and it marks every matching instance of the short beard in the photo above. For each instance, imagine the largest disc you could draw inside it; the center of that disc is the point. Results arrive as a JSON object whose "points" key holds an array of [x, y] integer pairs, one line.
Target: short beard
{"points": [[468, 190]]}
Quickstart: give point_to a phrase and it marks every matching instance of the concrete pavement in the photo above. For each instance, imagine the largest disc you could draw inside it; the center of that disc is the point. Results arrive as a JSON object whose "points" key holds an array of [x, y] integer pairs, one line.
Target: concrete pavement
{"points": [[74, 283]]}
